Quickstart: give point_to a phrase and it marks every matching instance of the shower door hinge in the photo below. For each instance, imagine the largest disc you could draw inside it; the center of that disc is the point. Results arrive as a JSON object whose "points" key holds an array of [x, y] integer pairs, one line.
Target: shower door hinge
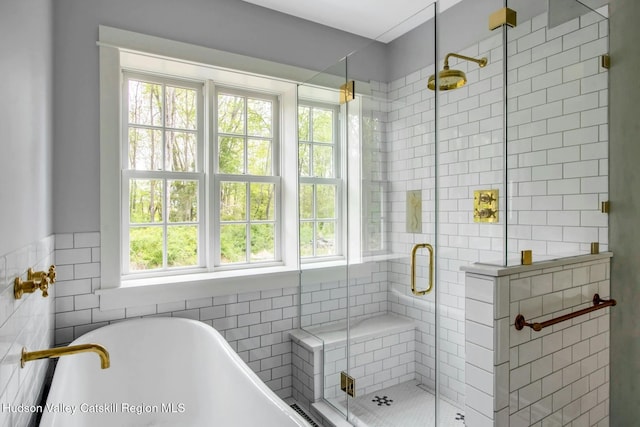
{"points": [[605, 207], [504, 16], [348, 384], [347, 92], [605, 61]]}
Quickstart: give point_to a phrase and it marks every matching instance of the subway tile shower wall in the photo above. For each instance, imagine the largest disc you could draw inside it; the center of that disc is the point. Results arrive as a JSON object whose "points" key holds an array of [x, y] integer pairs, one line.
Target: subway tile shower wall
{"points": [[27, 322], [557, 376], [558, 164], [256, 324]]}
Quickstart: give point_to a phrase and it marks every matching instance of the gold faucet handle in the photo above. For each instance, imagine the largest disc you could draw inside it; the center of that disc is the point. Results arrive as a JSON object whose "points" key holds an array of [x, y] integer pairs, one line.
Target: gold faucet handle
{"points": [[39, 275], [44, 286], [52, 274]]}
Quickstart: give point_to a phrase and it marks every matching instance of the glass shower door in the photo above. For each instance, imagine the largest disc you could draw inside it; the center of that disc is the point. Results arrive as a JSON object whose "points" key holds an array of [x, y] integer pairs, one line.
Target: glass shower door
{"points": [[392, 287], [323, 230]]}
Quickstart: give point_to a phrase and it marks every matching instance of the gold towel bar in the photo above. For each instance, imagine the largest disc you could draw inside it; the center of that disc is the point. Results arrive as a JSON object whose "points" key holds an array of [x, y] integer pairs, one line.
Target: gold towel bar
{"points": [[597, 305]]}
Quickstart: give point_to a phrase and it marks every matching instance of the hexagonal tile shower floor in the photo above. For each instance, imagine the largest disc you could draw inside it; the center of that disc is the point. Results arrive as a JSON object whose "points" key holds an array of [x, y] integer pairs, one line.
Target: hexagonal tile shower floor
{"points": [[402, 405]]}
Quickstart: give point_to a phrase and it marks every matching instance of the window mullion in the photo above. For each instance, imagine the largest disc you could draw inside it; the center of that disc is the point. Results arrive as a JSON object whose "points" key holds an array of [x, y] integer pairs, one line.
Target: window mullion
{"points": [[165, 228], [314, 199], [248, 222], [165, 205]]}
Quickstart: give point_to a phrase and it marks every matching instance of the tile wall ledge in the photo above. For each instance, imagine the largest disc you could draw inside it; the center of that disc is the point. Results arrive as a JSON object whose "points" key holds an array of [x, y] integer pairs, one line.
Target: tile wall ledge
{"points": [[497, 270]]}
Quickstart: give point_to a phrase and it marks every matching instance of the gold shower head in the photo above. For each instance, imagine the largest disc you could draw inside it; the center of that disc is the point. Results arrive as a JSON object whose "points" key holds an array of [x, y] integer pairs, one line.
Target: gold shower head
{"points": [[452, 79]]}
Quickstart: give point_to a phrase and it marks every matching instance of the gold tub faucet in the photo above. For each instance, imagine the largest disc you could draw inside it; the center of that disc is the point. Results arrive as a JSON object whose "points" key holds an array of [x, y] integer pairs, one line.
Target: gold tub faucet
{"points": [[28, 356]]}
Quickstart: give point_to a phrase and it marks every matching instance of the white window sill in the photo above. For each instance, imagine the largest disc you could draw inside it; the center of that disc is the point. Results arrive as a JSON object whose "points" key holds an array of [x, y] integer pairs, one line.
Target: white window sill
{"points": [[158, 290]]}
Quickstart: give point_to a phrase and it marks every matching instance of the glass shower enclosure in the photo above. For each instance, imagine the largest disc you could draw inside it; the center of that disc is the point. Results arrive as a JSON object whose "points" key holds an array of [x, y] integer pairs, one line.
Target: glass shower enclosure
{"points": [[451, 144], [368, 230]]}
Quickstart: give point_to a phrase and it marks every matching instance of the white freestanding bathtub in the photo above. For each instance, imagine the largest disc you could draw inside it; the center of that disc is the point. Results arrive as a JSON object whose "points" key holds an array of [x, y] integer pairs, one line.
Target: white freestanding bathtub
{"points": [[164, 372]]}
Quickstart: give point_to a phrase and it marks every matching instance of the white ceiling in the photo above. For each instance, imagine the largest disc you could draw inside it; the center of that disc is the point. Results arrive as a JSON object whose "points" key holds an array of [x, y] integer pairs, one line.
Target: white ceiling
{"points": [[382, 20]]}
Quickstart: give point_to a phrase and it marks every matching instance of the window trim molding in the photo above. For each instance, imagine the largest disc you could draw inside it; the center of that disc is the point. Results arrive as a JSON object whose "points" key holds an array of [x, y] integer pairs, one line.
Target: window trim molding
{"points": [[198, 175], [114, 44]]}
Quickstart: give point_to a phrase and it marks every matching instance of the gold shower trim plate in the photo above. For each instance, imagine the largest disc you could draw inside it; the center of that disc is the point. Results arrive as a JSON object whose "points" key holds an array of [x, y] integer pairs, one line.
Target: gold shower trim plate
{"points": [[485, 206]]}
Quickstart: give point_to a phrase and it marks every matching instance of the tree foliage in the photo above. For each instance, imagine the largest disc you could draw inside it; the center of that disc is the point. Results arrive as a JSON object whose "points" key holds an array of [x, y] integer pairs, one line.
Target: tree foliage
{"points": [[165, 212], [163, 132]]}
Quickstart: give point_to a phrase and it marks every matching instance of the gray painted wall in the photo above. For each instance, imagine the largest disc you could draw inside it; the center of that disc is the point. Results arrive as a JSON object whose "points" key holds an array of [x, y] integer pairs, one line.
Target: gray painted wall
{"points": [[25, 122], [229, 25], [624, 231]]}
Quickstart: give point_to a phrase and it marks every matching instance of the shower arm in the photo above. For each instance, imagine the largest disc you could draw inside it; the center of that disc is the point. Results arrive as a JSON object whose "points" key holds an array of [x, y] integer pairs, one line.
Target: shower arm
{"points": [[481, 62]]}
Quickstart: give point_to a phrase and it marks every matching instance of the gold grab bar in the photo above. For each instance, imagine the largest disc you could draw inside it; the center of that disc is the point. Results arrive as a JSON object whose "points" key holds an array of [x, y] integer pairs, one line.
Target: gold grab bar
{"points": [[598, 303], [413, 268]]}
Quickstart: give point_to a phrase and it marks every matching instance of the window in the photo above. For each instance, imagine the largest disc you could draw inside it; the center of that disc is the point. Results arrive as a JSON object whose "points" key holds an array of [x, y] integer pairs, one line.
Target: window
{"points": [[199, 173], [320, 182], [163, 176], [247, 180]]}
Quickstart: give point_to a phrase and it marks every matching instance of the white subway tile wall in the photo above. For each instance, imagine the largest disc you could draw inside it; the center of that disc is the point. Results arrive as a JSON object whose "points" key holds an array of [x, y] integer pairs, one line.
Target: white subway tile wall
{"points": [[307, 368], [326, 302], [377, 360], [27, 322], [257, 324], [557, 175], [567, 157], [557, 376]]}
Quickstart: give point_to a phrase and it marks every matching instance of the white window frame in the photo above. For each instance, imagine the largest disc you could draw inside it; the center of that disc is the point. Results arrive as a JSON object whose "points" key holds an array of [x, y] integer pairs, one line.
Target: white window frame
{"points": [[122, 50], [274, 179], [164, 175], [337, 180]]}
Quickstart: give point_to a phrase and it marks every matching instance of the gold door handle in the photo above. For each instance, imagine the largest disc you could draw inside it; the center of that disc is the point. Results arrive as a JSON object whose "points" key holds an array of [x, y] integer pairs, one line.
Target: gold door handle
{"points": [[413, 268]]}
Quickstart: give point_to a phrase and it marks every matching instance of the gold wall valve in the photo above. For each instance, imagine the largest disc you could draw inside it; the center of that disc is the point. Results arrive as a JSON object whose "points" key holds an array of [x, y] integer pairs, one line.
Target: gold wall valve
{"points": [[20, 287], [35, 280], [38, 275]]}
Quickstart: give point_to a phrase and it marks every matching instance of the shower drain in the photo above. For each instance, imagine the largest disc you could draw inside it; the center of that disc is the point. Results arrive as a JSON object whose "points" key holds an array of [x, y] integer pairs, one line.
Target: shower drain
{"points": [[384, 400], [304, 415]]}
